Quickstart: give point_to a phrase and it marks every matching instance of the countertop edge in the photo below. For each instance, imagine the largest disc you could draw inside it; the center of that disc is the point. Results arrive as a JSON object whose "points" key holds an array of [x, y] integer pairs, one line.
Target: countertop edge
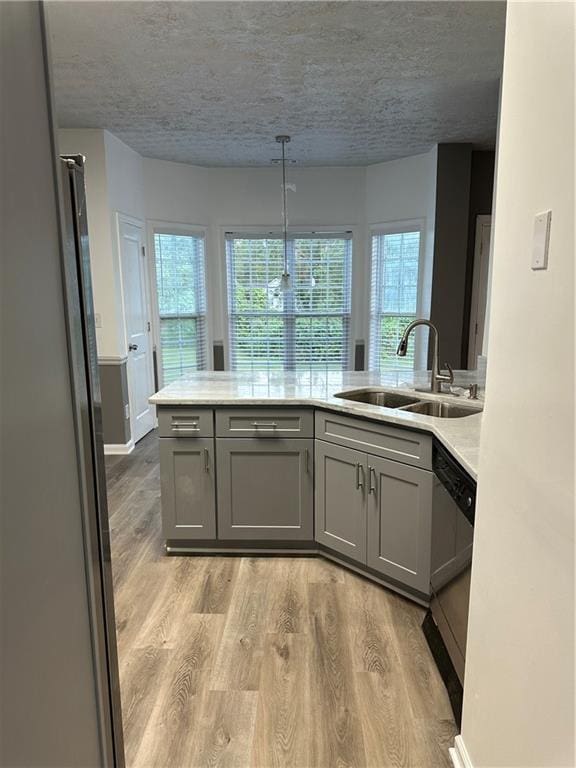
{"points": [[402, 419]]}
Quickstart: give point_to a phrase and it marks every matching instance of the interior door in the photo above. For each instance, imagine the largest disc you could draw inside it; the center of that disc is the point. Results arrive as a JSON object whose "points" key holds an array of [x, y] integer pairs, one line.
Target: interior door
{"points": [[479, 301], [135, 296]]}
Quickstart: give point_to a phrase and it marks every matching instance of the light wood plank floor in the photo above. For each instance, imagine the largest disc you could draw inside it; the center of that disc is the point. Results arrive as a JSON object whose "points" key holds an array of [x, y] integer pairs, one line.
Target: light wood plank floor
{"points": [[262, 662]]}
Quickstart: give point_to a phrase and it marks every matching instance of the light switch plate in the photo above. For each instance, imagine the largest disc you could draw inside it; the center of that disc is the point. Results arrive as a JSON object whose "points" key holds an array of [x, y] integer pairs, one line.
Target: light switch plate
{"points": [[98, 320], [541, 240]]}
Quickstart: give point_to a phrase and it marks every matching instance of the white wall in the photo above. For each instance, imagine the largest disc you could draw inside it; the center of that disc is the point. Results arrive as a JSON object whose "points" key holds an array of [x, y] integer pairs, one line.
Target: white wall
{"points": [[519, 688], [403, 190], [219, 199], [114, 183], [90, 143]]}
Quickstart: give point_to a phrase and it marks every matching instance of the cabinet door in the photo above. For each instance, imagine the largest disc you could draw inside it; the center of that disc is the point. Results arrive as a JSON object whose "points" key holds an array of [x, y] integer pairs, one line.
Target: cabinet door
{"points": [[340, 499], [265, 488], [188, 488], [399, 521]]}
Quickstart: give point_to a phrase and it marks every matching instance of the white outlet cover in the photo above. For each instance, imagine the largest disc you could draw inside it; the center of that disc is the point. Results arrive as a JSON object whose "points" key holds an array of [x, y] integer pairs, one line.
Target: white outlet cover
{"points": [[98, 320], [541, 240]]}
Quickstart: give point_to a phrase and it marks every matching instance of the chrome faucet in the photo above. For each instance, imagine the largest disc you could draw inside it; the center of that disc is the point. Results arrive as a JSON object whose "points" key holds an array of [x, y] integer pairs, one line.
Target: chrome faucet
{"points": [[437, 378]]}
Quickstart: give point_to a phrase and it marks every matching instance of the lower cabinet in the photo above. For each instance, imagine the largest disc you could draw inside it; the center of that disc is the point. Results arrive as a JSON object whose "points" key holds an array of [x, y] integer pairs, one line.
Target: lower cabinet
{"points": [[376, 511], [399, 522], [341, 499], [187, 473], [265, 488]]}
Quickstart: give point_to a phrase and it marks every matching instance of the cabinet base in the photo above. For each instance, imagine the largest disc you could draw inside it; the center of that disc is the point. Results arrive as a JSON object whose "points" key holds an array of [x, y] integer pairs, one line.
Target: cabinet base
{"points": [[289, 549]]}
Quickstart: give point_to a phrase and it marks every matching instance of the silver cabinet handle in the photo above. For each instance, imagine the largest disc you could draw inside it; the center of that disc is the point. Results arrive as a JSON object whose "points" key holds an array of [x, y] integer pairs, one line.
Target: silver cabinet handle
{"points": [[185, 426], [372, 474], [359, 476], [264, 424], [206, 460], [307, 461]]}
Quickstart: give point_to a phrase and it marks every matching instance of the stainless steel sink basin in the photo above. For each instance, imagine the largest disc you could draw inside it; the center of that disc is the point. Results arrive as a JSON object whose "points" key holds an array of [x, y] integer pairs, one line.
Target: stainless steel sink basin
{"points": [[442, 410], [374, 396]]}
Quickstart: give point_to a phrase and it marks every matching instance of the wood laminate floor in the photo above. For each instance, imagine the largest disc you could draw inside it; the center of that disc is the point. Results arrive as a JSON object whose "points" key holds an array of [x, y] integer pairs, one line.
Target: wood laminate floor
{"points": [[262, 662]]}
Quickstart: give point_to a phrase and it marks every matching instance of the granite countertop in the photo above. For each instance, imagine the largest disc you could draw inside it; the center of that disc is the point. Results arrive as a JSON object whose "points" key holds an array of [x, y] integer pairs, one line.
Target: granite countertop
{"points": [[461, 436]]}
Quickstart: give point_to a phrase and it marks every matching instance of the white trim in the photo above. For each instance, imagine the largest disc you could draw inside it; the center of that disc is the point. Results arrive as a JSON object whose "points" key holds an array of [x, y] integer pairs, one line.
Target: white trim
{"points": [[400, 226], [112, 360], [459, 754], [478, 303], [156, 226], [118, 449]]}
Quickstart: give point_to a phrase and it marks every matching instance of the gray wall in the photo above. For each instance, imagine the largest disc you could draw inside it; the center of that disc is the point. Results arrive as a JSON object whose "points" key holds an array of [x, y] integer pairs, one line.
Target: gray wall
{"points": [[448, 303], [49, 709], [114, 389]]}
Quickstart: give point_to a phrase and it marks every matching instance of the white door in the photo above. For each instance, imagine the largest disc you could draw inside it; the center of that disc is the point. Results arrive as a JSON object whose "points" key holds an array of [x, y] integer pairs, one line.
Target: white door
{"points": [[479, 288], [136, 318]]}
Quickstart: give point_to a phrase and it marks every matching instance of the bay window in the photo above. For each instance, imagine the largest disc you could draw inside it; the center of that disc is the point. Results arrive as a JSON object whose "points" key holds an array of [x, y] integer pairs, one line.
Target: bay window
{"points": [[304, 328]]}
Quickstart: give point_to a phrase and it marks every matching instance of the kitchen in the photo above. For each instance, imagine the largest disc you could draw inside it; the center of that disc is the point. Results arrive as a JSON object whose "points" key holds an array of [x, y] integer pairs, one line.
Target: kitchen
{"points": [[309, 358]]}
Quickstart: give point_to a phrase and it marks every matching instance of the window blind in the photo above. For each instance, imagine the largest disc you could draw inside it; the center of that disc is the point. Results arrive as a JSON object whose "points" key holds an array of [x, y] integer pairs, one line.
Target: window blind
{"points": [[394, 296], [180, 282], [304, 328]]}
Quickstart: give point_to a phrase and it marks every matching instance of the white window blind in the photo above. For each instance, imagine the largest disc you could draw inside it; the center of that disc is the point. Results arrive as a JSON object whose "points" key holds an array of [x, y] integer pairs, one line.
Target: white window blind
{"points": [[181, 287], [304, 328], [394, 296]]}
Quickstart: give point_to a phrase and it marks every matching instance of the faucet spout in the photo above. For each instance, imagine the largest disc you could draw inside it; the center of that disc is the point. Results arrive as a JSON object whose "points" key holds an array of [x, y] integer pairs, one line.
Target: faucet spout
{"points": [[436, 377]]}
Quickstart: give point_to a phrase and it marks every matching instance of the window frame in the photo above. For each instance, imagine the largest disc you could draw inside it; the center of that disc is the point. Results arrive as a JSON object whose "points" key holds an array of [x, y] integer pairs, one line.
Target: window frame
{"points": [[262, 232], [191, 230], [396, 228]]}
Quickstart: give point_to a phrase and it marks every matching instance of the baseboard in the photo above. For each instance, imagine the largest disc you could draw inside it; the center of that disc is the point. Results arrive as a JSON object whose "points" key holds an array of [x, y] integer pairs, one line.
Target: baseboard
{"points": [[118, 449], [459, 754]]}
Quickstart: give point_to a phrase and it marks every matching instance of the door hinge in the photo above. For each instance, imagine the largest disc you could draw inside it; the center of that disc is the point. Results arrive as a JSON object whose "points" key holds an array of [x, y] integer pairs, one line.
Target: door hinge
{"points": [[148, 324], [143, 251]]}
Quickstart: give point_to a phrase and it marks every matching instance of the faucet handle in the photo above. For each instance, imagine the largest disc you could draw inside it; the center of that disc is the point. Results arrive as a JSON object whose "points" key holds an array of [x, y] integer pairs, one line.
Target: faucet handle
{"points": [[450, 373]]}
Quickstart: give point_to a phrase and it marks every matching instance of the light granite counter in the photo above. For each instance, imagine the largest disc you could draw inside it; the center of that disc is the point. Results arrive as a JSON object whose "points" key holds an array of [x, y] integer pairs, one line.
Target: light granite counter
{"points": [[461, 436]]}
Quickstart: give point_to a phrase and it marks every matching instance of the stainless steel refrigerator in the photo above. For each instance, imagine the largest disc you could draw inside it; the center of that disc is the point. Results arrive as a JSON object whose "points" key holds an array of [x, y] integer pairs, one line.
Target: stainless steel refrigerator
{"points": [[59, 697], [81, 331]]}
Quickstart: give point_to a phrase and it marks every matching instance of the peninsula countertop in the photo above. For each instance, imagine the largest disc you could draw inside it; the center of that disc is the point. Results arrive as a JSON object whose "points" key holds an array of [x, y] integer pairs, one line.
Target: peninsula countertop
{"points": [[461, 436]]}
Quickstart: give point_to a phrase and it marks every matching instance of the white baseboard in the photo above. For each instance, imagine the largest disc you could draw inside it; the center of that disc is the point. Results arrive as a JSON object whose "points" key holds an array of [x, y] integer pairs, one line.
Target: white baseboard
{"points": [[118, 449], [459, 754]]}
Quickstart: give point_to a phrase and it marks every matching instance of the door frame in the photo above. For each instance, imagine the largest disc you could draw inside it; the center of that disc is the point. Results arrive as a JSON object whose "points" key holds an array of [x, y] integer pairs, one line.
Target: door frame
{"points": [[479, 289], [124, 218]]}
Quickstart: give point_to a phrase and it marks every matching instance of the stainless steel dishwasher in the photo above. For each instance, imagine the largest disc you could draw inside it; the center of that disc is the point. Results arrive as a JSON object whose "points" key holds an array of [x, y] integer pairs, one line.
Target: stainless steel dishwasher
{"points": [[446, 623]]}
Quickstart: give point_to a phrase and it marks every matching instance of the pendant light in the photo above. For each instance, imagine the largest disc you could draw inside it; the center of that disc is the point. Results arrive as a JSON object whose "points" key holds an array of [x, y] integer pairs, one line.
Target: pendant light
{"points": [[285, 281]]}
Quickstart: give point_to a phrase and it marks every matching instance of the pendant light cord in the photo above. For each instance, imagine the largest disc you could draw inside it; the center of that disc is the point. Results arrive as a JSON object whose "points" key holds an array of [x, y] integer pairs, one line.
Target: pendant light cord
{"points": [[284, 217]]}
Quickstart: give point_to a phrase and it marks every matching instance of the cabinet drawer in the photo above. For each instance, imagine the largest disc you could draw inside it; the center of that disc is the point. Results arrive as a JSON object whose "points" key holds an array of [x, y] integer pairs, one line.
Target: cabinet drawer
{"points": [[264, 422], [185, 422], [377, 438]]}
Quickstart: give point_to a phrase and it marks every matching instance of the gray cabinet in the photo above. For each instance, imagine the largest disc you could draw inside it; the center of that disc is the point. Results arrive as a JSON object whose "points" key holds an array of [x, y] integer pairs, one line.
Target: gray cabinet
{"points": [[265, 488], [188, 488], [376, 511], [340, 499], [399, 503]]}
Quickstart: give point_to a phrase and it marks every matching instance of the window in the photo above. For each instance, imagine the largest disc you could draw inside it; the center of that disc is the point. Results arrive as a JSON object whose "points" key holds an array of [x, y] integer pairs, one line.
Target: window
{"points": [[304, 328], [394, 296], [181, 291]]}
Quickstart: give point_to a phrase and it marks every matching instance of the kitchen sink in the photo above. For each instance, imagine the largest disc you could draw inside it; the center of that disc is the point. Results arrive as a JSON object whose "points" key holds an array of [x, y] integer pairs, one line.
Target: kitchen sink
{"points": [[441, 410], [378, 397]]}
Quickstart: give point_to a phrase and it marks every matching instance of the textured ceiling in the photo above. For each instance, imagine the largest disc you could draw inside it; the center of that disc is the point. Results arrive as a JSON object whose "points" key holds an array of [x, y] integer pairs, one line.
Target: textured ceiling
{"points": [[212, 83]]}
